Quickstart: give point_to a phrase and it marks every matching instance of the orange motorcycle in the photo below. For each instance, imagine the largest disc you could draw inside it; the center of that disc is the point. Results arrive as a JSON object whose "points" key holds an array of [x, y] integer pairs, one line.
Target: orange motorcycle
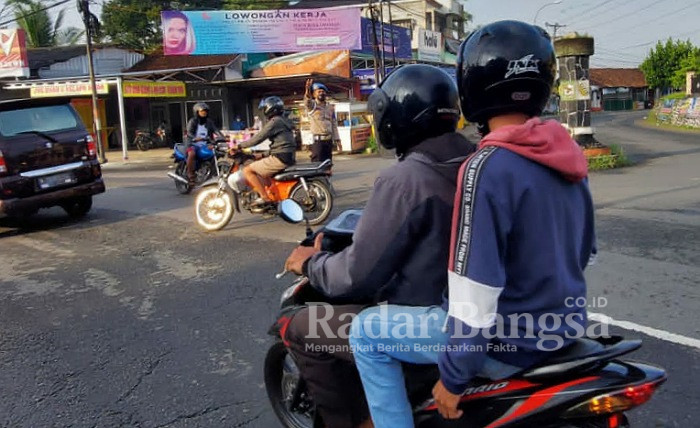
{"points": [[307, 184]]}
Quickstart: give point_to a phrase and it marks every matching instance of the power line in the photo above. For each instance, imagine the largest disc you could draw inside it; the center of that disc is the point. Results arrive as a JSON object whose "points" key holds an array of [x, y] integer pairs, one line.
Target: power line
{"points": [[34, 12], [656, 19], [651, 43], [578, 15], [597, 15], [606, 58], [614, 52], [652, 4]]}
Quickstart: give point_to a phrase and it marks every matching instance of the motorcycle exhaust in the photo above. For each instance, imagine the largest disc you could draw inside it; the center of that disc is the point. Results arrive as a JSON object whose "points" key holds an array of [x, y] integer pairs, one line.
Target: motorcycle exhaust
{"points": [[177, 177]]}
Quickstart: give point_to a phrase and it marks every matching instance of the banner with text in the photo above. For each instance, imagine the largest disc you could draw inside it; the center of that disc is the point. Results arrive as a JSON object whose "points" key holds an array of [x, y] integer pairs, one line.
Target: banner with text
{"points": [[429, 45], [67, 89], [248, 31], [154, 89], [401, 39], [13, 54]]}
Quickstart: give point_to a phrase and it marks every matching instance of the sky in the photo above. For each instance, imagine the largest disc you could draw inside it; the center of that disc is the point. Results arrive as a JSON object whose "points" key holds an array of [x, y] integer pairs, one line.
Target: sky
{"points": [[624, 30]]}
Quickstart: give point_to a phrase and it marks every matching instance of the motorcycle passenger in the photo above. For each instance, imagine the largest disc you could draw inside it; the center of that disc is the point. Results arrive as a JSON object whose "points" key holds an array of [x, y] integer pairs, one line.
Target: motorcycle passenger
{"points": [[199, 129], [282, 148], [522, 235], [400, 245]]}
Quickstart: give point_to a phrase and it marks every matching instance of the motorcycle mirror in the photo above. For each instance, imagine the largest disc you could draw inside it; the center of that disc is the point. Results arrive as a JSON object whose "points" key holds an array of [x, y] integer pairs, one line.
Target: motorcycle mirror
{"points": [[291, 212]]}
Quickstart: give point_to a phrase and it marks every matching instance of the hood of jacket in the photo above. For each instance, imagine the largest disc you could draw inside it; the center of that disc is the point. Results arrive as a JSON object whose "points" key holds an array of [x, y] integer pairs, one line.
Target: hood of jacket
{"points": [[545, 142]]}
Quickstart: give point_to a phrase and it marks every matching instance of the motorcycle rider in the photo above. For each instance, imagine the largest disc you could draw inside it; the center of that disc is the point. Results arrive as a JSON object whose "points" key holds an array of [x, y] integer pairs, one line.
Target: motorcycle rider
{"points": [[282, 148], [522, 235], [400, 245], [199, 128]]}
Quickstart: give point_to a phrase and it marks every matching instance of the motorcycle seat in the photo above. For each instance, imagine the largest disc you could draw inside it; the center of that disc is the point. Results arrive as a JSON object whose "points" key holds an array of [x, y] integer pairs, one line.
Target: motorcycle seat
{"points": [[303, 170], [582, 355], [313, 166]]}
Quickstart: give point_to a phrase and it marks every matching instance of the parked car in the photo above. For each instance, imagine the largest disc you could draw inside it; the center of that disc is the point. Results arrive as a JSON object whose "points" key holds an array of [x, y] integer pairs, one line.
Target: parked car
{"points": [[47, 158]]}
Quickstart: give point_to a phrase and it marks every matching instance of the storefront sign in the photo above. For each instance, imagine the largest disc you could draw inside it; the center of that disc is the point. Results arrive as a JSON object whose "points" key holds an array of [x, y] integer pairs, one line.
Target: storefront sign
{"points": [[401, 39], [66, 89], [247, 31], [13, 54], [429, 45], [154, 89], [336, 63], [575, 90], [360, 137]]}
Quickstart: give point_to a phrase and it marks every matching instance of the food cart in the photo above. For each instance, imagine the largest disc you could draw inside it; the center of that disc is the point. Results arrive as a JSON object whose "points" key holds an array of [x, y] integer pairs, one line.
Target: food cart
{"points": [[354, 127]]}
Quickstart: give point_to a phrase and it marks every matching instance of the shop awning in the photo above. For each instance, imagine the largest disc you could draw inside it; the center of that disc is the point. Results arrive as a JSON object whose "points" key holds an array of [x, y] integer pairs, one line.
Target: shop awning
{"points": [[263, 86]]}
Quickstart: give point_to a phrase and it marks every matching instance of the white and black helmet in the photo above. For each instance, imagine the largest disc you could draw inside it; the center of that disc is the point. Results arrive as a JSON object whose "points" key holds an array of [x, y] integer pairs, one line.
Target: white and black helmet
{"points": [[200, 106]]}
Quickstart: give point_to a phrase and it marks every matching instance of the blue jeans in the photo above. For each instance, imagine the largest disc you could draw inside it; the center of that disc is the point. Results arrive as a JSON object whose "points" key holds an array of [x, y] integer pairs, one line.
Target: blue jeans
{"points": [[384, 336]]}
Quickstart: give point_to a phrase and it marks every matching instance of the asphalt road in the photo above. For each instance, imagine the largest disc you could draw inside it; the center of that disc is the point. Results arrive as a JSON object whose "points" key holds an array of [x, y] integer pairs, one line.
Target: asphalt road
{"points": [[134, 317]]}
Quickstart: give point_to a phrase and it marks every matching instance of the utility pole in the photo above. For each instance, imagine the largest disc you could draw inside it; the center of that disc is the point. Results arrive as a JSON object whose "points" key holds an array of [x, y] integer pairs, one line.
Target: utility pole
{"points": [[556, 26], [381, 28], [393, 48], [91, 26], [378, 77]]}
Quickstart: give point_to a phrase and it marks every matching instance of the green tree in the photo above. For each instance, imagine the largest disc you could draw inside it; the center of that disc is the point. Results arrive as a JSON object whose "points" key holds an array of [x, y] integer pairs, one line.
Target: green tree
{"points": [[41, 30], [664, 61], [689, 63]]}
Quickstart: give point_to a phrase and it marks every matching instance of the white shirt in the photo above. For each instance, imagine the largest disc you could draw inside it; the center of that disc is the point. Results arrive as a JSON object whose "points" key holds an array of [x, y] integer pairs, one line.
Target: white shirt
{"points": [[201, 132]]}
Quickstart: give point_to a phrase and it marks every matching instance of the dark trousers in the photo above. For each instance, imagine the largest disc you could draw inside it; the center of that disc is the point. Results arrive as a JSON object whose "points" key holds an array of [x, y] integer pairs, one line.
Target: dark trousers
{"points": [[321, 150], [330, 374]]}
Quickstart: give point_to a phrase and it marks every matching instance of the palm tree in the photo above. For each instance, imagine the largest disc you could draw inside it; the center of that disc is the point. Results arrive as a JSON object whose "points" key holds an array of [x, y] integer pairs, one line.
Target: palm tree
{"points": [[41, 30]]}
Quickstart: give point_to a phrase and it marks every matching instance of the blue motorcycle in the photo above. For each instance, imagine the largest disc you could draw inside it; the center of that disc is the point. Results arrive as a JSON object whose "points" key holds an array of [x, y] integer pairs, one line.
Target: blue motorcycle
{"points": [[207, 163]]}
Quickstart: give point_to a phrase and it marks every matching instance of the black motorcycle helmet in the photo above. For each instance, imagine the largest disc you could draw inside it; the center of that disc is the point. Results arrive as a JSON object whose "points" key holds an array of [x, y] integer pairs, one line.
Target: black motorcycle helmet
{"points": [[413, 103], [505, 67], [271, 106]]}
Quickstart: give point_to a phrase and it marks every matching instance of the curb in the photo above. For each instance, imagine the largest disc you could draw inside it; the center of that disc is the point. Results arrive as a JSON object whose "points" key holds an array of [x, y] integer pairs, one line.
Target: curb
{"points": [[642, 123]]}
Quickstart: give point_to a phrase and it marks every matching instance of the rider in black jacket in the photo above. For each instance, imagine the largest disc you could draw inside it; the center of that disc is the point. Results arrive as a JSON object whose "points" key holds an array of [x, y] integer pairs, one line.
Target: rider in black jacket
{"points": [[401, 245], [282, 147], [199, 128]]}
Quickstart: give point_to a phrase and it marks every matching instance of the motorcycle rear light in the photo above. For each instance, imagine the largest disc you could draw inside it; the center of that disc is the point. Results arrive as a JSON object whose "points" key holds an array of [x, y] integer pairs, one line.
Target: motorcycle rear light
{"points": [[615, 402], [91, 147], [614, 421], [3, 165]]}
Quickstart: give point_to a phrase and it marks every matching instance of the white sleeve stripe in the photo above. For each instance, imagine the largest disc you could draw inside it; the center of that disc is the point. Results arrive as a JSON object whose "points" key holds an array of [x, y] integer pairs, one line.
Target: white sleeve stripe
{"points": [[472, 302]]}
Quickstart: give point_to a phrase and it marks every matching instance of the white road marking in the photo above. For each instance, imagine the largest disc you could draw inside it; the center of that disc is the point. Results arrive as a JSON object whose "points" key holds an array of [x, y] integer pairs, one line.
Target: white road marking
{"points": [[649, 331]]}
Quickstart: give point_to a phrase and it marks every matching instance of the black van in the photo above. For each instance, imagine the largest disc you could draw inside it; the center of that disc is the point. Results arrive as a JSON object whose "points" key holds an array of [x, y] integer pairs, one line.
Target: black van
{"points": [[47, 158]]}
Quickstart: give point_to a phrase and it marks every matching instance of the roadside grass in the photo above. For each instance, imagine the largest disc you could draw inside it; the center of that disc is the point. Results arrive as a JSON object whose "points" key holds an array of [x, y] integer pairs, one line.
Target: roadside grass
{"points": [[616, 159]]}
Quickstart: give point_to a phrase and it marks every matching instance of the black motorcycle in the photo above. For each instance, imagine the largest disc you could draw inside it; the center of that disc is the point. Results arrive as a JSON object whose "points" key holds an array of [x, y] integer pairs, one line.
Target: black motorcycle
{"points": [[145, 140], [586, 385]]}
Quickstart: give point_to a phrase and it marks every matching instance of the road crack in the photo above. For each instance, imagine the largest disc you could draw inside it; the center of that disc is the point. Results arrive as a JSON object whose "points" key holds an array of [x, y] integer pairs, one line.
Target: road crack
{"points": [[149, 370], [205, 411]]}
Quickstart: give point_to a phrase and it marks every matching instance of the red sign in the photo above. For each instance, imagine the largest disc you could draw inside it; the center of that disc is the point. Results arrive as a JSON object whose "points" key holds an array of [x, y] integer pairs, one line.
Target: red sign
{"points": [[13, 54]]}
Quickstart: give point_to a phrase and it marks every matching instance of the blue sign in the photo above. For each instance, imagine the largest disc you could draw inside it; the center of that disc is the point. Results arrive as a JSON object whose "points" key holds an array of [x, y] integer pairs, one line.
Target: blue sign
{"points": [[401, 36], [369, 84]]}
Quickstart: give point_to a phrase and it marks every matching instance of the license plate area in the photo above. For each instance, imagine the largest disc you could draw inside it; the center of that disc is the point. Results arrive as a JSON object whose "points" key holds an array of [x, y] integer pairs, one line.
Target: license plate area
{"points": [[55, 180]]}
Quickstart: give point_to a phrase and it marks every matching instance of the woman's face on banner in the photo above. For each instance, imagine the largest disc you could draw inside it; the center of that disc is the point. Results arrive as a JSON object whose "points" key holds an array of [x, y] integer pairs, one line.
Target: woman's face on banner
{"points": [[175, 33]]}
